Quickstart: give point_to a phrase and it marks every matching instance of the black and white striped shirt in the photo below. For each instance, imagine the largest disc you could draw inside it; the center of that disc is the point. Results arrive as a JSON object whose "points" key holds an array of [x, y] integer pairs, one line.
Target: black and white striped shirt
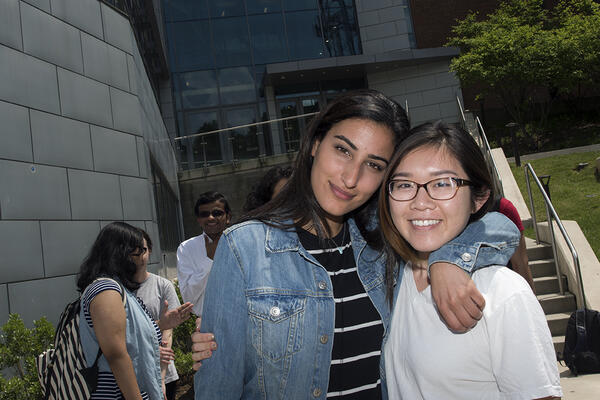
{"points": [[354, 371], [107, 385]]}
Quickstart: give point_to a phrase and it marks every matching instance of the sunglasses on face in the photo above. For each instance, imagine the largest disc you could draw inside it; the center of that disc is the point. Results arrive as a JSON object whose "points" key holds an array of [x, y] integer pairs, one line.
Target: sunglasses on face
{"points": [[214, 213]]}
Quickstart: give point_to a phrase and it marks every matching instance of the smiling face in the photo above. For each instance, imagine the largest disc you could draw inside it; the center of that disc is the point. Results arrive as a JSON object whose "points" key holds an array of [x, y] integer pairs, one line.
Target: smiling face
{"points": [[212, 218], [348, 166], [427, 224]]}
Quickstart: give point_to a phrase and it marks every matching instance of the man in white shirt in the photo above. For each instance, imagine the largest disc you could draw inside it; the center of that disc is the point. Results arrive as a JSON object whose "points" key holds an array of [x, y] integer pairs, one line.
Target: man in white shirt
{"points": [[195, 255]]}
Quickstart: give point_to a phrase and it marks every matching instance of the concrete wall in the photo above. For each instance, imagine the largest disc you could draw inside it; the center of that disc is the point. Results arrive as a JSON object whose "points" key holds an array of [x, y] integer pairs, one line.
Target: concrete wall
{"points": [[79, 122], [385, 25], [429, 88]]}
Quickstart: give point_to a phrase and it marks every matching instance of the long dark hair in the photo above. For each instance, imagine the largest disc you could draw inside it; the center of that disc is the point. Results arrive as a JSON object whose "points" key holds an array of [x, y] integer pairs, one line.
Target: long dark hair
{"points": [[458, 143], [263, 191], [296, 201], [110, 256]]}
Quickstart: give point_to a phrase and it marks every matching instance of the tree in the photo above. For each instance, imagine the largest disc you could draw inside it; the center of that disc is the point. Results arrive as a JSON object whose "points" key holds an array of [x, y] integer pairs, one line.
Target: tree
{"points": [[526, 55]]}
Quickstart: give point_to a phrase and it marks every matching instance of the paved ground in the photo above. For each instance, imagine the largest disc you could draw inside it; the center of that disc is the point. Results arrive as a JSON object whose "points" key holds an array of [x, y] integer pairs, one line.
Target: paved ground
{"points": [[535, 156], [582, 387]]}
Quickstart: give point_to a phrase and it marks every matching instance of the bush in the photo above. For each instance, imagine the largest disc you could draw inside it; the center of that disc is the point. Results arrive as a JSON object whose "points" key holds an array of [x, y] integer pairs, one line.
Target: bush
{"points": [[182, 342], [19, 346]]}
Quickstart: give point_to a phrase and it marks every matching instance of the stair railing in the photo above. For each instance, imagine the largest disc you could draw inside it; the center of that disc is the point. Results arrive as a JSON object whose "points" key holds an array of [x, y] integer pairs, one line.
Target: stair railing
{"points": [[479, 133], [552, 215]]}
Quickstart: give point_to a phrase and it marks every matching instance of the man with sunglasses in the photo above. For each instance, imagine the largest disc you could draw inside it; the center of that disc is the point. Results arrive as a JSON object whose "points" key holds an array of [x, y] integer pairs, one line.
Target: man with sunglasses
{"points": [[195, 255]]}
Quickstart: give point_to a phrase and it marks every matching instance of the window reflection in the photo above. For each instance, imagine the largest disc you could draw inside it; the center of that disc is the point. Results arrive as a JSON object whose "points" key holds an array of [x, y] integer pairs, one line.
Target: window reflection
{"points": [[237, 85], [263, 6], [206, 149], [304, 34], [198, 89], [191, 44], [244, 141], [295, 5], [180, 10], [268, 38], [226, 8], [232, 46], [340, 31]]}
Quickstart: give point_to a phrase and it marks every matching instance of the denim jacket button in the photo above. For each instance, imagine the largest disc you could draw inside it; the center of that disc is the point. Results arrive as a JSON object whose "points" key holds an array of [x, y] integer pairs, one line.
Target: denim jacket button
{"points": [[317, 392], [322, 285], [466, 257], [274, 311], [324, 339]]}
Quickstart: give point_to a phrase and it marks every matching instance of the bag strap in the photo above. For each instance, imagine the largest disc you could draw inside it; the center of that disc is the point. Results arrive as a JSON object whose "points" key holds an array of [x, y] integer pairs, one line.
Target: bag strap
{"points": [[581, 344]]}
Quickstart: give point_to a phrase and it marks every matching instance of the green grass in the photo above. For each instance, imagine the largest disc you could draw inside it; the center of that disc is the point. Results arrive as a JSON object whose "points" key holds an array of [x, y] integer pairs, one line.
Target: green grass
{"points": [[575, 195]]}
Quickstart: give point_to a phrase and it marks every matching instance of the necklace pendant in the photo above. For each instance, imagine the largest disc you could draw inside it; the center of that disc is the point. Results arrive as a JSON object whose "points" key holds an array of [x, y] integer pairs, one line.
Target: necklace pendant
{"points": [[340, 250]]}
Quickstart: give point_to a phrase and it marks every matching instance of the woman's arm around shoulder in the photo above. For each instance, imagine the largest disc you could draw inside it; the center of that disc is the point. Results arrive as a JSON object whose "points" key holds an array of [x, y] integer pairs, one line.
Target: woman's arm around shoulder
{"points": [[109, 319]]}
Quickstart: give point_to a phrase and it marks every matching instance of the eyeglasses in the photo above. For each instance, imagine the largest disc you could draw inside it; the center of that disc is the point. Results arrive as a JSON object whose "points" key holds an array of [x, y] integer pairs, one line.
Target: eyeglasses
{"points": [[143, 251], [437, 189], [215, 213]]}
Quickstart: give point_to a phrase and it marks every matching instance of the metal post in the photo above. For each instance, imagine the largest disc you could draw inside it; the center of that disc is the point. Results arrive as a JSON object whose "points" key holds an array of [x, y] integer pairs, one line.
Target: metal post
{"points": [[512, 126], [535, 227]]}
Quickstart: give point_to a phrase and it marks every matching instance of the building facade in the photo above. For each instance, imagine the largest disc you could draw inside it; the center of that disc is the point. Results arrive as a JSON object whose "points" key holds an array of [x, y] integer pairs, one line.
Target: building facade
{"points": [[82, 143]]}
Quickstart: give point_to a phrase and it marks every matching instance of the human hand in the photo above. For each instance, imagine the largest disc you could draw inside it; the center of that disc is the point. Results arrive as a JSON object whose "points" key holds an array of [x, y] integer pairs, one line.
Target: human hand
{"points": [[166, 354], [203, 344], [170, 319], [456, 296]]}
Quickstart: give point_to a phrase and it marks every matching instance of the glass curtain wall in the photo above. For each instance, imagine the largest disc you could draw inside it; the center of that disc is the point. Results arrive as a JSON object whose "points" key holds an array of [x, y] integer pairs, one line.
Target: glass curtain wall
{"points": [[218, 50]]}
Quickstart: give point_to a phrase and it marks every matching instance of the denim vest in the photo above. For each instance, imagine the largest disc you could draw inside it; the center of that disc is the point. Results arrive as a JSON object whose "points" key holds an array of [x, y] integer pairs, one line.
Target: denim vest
{"points": [[142, 346], [270, 306]]}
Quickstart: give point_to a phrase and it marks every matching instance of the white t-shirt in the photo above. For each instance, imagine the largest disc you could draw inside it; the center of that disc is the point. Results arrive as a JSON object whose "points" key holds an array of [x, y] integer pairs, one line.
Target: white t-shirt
{"points": [[193, 267], [153, 292], [508, 355]]}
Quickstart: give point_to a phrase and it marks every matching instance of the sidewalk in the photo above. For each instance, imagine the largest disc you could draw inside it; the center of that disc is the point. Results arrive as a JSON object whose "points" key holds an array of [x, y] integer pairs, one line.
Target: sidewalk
{"points": [[582, 387], [535, 156]]}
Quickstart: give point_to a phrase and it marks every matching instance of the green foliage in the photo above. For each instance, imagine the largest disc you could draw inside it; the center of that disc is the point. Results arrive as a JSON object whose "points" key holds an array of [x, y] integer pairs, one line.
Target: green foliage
{"points": [[527, 56], [574, 194], [18, 348], [182, 342]]}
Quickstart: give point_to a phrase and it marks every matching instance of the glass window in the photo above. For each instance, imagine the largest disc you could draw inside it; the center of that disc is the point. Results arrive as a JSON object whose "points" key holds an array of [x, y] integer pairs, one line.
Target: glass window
{"points": [[191, 44], [304, 35], [226, 8], [206, 149], [199, 89], [180, 10], [244, 141], [237, 85], [231, 42], [340, 31], [290, 128], [268, 38], [295, 5], [263, 6]]}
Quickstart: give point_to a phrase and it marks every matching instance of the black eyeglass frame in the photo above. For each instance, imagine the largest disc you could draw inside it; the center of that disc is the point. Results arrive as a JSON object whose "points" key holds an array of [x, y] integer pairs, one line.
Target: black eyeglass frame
{"points": [[459, 182]]}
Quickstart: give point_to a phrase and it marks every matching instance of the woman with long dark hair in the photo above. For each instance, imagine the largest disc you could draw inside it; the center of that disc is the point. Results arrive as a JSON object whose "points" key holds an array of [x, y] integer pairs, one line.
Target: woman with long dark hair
{"points": [[114, 321], [436, 184], [296, 296]]}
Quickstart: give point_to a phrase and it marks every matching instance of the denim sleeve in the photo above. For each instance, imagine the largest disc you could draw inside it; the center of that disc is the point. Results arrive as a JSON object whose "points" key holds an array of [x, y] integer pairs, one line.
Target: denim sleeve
{"points": [[492, 240], [225, 315]]}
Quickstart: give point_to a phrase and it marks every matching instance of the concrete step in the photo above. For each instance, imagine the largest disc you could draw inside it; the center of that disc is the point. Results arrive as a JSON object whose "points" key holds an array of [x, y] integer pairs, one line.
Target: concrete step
{"points": [[553, 303], [537, 251], [559, 344], [558, 323], [544, 267], [548, 284]]}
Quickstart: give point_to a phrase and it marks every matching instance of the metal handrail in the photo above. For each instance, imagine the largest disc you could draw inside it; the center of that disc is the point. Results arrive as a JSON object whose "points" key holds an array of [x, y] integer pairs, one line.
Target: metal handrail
{"points": [[485, 147], [550, 214]]}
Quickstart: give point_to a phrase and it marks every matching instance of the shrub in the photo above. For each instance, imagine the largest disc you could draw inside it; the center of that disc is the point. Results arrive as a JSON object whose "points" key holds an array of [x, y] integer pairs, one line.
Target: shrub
{"points": [[182, 342], [18, 348]]}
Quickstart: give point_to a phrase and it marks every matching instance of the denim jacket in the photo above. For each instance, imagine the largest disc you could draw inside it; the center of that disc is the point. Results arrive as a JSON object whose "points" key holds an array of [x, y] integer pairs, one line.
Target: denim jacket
{"points": [[270, 306], [142, 346]]}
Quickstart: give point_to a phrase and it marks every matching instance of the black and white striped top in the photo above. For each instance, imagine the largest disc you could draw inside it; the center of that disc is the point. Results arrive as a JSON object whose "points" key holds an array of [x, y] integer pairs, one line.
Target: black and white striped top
{"points": [[354, 371], [107, 385]]}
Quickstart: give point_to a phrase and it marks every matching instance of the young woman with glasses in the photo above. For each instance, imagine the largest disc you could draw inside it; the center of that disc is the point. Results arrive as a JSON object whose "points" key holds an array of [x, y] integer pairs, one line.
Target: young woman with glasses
{"points": [[296, 296], [436, 184]]}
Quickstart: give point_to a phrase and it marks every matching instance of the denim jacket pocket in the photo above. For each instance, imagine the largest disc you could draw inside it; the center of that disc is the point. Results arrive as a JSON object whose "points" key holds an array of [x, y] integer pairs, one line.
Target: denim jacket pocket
{"points": [[277, 324]]}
